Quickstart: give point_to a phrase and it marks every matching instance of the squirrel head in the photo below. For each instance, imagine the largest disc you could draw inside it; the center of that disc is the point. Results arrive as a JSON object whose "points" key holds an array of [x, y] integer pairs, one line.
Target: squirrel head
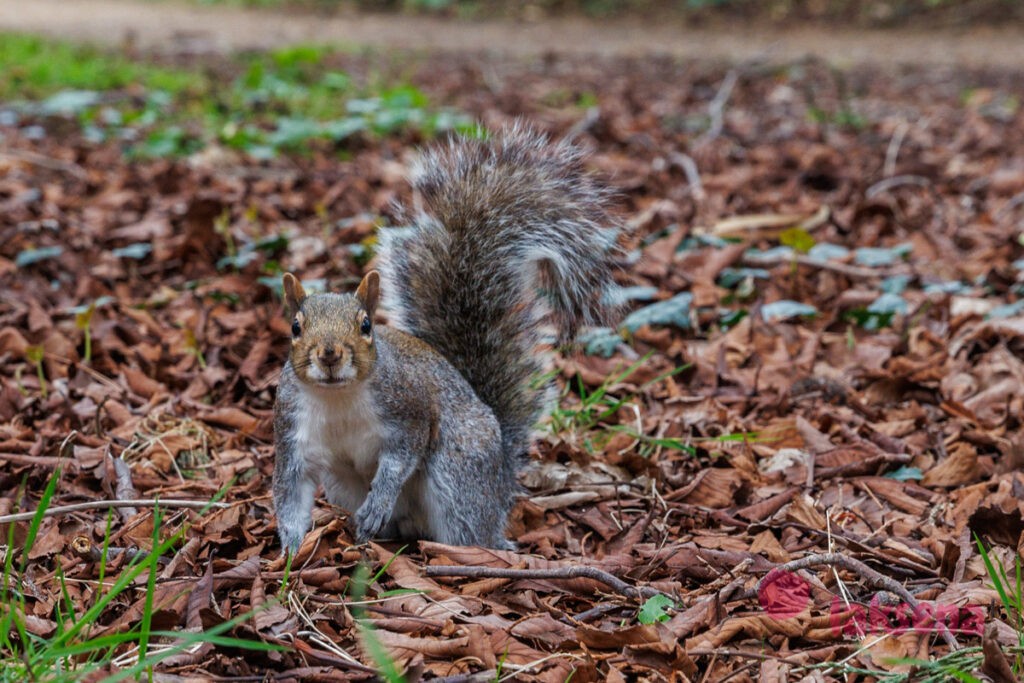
{"points": [[332, 334]]}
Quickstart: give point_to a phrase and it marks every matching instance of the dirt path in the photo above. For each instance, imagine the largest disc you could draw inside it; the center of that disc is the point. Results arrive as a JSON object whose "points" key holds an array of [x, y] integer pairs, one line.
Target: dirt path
{"points": [[178, 28]]}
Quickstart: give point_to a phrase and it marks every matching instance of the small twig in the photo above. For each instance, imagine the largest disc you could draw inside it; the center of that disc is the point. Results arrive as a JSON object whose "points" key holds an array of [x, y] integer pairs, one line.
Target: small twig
{"points": [[37, 460], [591, 117], [1015, 201], [596, 611], [738, 672], [896, 181], [689, 166], [592, 573], [865, 572], [477, 677], [894, 148], [43, 161], [844, 268], [743, 654], [716, 109], [103, 504], [835, 266], [305, 673]]}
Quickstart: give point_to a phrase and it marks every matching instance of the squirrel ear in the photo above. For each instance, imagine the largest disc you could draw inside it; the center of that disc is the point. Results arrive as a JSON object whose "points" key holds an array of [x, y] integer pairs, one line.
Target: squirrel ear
{"points": [[369, 291], [294, 294]]}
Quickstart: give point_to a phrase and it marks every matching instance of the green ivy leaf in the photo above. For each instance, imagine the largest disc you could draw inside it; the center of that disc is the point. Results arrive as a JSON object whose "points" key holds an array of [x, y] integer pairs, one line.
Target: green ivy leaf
{"points": [[730, 277], [877, 256], [137, 251], [896, 284], [825, 251], [622, 295], [30, 256], [904, 473], [70, 101], [1006, 310], [889, 303], [654, 609], [600, 341], [780, 310], [674, 311]]}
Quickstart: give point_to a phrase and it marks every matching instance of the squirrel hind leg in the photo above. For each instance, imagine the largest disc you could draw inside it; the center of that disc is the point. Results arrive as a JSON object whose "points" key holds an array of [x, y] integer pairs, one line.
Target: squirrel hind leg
{"points": [[462, 499]]}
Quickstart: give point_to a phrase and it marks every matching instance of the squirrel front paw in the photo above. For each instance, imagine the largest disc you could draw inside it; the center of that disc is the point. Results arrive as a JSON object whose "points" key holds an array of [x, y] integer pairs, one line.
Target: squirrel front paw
{"points": [[370, 518]]}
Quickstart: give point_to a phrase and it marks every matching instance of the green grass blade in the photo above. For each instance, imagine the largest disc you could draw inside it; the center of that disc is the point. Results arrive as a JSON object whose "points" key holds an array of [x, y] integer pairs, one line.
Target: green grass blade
{"points": [[187, 640], [993, 575], [135, 568], [37, 520], [380, 573], [147, 610]]}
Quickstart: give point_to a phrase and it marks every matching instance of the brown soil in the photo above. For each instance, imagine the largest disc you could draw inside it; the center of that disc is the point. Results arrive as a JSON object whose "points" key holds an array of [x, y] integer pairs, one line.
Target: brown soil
{"points": [[178, 28]]}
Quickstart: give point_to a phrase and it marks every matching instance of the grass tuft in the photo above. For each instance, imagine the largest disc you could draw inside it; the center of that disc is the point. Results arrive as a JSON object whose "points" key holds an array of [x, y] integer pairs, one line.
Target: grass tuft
{"points": [[72, 653]]}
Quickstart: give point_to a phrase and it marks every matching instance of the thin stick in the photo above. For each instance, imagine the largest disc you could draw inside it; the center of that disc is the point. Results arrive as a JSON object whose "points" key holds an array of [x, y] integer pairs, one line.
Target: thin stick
{"points": [[846, 269], [894, 148], [1015, 201], [742, 653], [689, 167], [716, 109], [37, 460], [592, 573], [43, 161], [866, 573], [104, 504], [896, 181]]}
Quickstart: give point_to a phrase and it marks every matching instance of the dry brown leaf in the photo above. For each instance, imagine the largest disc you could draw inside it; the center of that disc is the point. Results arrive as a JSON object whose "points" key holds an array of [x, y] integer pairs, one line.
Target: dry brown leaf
{"points": [[605, 639], [803, 511], [713, 487], [544, 628], [959, 468]]}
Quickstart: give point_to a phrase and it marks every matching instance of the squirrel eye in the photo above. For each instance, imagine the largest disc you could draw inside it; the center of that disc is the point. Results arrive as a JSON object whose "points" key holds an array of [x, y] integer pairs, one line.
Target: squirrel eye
{"points": [[296, 328], [366, 326]]}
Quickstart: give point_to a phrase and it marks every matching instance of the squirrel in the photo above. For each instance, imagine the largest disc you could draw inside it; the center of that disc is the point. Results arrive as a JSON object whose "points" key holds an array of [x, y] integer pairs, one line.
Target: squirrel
{"points": [[421, 427]]}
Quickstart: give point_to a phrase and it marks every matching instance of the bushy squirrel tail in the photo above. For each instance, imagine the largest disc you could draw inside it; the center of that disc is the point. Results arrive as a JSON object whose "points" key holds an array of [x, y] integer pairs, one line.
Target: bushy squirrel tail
{"points": [[510, 229]]}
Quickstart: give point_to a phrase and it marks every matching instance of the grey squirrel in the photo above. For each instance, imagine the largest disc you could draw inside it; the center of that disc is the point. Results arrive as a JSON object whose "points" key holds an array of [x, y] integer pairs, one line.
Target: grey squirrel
{"points": [[420, 428]]}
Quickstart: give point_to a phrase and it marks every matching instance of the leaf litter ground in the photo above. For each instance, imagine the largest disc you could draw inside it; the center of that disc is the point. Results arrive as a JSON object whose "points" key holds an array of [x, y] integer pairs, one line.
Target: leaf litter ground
{"points": [[822, 360]]}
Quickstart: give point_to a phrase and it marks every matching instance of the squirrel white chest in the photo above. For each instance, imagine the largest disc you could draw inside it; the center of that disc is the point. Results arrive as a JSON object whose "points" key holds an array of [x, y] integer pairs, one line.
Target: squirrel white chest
{"points": [[340, 433]]}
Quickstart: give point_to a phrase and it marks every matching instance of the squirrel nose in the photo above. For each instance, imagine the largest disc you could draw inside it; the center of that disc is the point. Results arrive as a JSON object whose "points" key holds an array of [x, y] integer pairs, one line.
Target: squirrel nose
{"points": [[329, 354]]}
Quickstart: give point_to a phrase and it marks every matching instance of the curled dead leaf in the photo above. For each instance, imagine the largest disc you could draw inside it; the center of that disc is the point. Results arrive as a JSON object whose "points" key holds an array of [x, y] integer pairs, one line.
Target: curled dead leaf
{"points": [[959, 468]]}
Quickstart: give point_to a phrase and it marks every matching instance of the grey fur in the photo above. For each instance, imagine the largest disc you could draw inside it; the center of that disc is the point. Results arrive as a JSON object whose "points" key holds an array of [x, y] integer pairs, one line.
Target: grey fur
{"points": [[440, 473], [449, 395]]}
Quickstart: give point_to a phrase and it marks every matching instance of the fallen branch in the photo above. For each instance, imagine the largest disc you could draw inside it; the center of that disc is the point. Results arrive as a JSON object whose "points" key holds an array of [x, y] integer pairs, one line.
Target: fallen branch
{"points": [[865, 572], [592, 573], [103, 504]]}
